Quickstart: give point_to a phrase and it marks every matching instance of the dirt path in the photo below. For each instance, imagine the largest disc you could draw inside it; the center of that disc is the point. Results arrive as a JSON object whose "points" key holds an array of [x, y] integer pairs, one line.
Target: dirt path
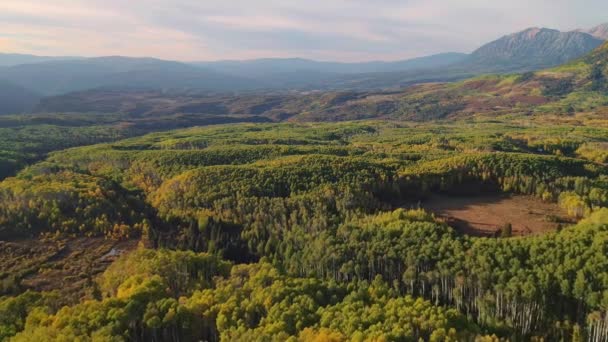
{"points": [[484, 215]]}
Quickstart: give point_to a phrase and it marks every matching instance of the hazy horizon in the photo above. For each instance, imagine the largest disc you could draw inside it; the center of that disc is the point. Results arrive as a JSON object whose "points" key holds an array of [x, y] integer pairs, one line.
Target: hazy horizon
{"points": [[331, 30]]}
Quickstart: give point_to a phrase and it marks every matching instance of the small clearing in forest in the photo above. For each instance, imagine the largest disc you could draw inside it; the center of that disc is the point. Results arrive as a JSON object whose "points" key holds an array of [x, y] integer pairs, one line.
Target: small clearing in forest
{"points": [[68, 265], [486, 214]]}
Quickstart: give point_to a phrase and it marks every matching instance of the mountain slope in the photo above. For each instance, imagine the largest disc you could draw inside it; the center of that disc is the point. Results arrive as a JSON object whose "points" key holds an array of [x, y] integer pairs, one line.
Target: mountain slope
{"points": [[534, 48], [12, 59], [600, 31], [58, 77], [303, 74], [52, 78], [15, 99]]}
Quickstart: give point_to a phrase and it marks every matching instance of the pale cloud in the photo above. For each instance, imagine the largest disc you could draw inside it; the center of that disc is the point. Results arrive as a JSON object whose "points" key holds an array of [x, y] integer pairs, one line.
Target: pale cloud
{"points": [[257, 23], [5, 44], [51, 9], [350, 29], [240, 29], [136, 41]]}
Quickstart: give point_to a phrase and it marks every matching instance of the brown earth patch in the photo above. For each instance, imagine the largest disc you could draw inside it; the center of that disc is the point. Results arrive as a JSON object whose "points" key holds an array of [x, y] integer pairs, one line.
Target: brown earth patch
{"points": [[68, 265], [485, 215], [529, 99], [481, 85]]}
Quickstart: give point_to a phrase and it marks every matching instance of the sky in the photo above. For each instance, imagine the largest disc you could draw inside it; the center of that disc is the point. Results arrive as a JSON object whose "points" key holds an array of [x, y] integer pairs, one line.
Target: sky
{"points": [[336, 30]]}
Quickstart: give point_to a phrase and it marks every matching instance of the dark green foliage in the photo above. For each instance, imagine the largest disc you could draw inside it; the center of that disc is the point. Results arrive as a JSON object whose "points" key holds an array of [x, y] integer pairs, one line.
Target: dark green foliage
{"points": [[557, 87], [598, 79], [27, 142], [527, 76], [71, 204], [253, 303]]}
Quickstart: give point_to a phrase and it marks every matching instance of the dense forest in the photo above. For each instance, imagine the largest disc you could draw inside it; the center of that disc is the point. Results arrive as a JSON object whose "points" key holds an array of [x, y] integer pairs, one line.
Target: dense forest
{"points": [[308, 232], [28, 138]]}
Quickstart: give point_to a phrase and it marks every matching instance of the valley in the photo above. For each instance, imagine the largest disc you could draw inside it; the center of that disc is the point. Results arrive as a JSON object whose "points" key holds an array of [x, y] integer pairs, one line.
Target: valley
{"points": [[291, 200]]}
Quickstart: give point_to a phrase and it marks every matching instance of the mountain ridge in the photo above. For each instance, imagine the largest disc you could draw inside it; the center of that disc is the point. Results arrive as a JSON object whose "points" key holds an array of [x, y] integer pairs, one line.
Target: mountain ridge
{"points": [[264, 65], [64, 76], [12, 59], [599, 31], [535, 48], [579, 86]]}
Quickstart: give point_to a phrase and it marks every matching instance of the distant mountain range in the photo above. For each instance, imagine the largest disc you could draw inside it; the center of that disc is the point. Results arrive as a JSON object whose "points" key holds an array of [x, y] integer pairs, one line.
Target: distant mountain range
{"points": [[261, 67], [63, 76], [531, 49], [12, 59], [58, 77], [580, 86]]}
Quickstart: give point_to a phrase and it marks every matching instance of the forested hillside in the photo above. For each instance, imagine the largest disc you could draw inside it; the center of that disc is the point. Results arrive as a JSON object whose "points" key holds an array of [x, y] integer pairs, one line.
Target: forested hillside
{"points": [[25, 139], [307, 232]]}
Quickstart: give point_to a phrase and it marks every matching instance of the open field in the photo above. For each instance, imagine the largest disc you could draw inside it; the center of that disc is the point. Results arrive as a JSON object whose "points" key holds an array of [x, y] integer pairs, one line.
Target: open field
{"points": [[484, 215]]}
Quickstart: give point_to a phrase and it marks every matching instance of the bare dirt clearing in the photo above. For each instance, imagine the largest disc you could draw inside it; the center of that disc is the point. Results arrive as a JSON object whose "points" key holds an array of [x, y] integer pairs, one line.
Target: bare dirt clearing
{"points": [[65, 265], [484, 215]]}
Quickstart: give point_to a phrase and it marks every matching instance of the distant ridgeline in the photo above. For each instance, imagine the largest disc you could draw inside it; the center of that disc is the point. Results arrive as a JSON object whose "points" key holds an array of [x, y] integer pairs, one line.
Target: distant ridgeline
{"points": [[25, 80], [576, 87]]}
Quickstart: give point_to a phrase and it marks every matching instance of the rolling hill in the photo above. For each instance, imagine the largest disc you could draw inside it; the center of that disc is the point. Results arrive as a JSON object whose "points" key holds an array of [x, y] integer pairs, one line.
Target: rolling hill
{"points": [[259, 67], [578, 86], [12, 59], [57, 77]]}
